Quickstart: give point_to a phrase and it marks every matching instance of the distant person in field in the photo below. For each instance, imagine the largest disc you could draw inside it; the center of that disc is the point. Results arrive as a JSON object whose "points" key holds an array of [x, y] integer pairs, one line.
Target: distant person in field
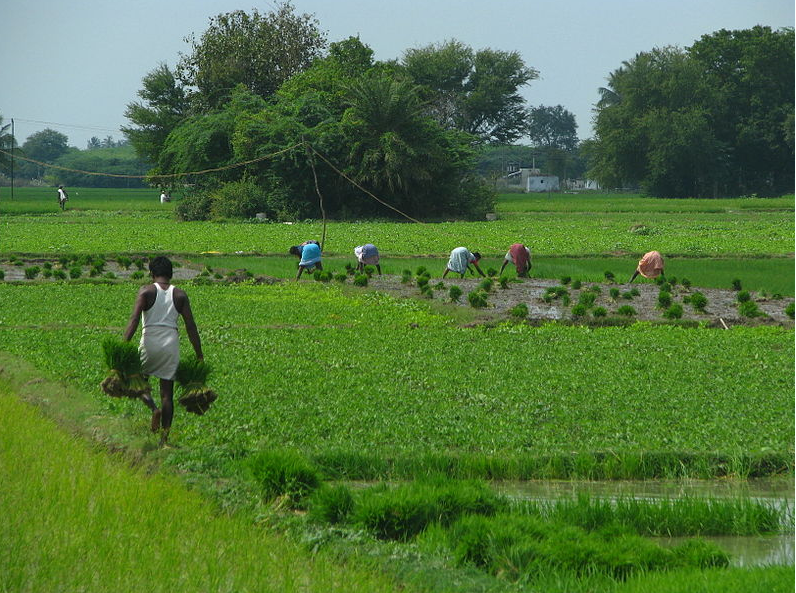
{"points": [[460, 260], [649, 266], [164, 197], [158, 305], [519, 255], [367, 255], [62, 197], [309, 254]]}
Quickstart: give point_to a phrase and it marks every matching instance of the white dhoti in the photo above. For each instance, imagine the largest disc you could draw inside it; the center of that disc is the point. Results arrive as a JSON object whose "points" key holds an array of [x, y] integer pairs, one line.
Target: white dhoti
{"points": [[160, 351]]}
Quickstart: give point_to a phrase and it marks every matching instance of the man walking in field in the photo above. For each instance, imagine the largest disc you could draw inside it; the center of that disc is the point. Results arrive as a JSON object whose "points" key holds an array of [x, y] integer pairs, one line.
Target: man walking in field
{"points": [[158, 305]]}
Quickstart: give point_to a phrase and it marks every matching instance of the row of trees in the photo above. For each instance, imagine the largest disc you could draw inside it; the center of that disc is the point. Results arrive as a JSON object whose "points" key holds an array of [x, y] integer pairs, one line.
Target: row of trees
{"points": [[714, 119], [408, 130], [49, 147]]}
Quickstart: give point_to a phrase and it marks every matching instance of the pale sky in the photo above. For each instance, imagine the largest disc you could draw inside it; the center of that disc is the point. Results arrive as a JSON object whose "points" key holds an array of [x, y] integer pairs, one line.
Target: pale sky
{"points": [[73, 66]]}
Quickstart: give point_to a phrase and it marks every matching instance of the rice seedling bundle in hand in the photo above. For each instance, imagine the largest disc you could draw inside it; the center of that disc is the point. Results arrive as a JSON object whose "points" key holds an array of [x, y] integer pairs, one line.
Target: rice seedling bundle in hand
{"points": [[124, 369], [192, 376]]}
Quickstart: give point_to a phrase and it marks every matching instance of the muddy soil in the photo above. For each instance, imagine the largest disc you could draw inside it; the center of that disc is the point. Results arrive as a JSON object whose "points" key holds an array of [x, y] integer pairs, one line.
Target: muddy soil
{"points": [[721, 308]]}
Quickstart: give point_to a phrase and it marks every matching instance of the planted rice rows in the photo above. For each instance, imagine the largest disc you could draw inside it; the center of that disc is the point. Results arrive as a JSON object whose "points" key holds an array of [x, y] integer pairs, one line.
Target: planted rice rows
{"points": [[466, 394]]}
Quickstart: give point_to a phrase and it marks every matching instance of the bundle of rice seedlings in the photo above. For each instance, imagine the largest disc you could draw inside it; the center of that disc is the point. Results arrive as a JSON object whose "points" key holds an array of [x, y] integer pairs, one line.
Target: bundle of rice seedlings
{"points": [[192, 376], [124, 369]]}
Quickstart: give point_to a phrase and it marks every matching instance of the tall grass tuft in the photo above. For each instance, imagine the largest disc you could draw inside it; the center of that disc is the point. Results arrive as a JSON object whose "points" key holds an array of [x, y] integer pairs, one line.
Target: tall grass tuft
{"points": [[284, 473]]}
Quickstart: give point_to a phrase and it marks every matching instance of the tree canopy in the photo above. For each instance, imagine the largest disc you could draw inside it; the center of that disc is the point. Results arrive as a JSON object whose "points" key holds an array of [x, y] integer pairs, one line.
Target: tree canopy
{"points": [[701, 122]]}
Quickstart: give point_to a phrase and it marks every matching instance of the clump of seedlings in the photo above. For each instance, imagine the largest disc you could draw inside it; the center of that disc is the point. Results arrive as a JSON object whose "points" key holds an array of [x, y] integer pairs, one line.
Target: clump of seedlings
{"points": [[736, 284], [191, 376], [698, 301], [586, 299], [47, 265], [789, 310], [626, 310], [609, 276], [455, 293], [664, 299], [32, 272], [614, 293], [674, 311], [576, 284], [361, 280], [628, 295], [351, 270], [686, 283], [124, 378], [599, 312], [491, 272], [749, 309], [556, 292], [341, 277], [519, 311], [75, 272], [47, 273], [477, 299], [504, 282], [743, 296], [139, 263], [579, 310], [369, 270], [565, 280], [426, 291], [406, 276], [421, 270], [58, 274], [486, 284], [124, 262]]}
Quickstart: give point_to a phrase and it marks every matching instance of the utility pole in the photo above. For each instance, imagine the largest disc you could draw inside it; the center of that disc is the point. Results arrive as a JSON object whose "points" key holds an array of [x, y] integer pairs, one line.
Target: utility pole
{"points": [[12, 158]]}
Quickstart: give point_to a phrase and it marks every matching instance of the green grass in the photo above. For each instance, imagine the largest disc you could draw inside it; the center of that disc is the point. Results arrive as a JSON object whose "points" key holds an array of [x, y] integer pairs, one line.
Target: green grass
{"points": [[304, 366], [42, 200], [77, 520]]}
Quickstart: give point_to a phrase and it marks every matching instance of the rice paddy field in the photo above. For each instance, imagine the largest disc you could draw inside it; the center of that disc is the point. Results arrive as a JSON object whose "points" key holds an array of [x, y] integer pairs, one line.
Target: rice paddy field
{"points": [[381, 435]]}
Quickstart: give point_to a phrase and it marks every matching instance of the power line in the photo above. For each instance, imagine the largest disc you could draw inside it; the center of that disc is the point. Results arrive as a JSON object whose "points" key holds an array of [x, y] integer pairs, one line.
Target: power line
{"points": [[71, 126]]}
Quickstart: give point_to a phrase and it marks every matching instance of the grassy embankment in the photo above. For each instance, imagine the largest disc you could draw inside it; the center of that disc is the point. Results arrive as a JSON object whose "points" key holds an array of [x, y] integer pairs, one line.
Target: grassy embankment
{"points": [[75, 519]]}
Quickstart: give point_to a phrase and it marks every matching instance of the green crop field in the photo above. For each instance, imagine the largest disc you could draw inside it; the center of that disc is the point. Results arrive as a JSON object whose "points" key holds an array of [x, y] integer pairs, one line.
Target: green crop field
{"points": [[336, 385]]}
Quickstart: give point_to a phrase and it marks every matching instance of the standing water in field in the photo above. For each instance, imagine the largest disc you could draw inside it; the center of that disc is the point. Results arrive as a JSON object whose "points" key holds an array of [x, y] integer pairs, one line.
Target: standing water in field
{"points": [[746, 551]]}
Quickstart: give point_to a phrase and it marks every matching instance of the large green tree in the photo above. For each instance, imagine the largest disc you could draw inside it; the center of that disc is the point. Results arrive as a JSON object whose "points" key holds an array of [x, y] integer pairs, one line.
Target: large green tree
{"points": [[473, 91], [44, 146], [706, 121], [553, 127], [260, 51], [164, 106]]}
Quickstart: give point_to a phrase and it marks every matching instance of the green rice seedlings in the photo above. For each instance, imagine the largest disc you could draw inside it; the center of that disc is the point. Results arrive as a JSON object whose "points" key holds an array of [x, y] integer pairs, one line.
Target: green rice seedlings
{"points": [[486, 284], [635, 291], [427, 291], [217, 275], [595, 288], [63, 260], [599, 312], [421, 270], [743, 296], [609, 276], [491, 272], [614, 293], [139, 263], [698, 301], [191, 376], [686, 283], [565, 280], [331, 504], [2, 275], [576, 284], [455, 293], [504, 282], [284, 474], [439, 286], [47, 273], [361, 280], [341, 277], [736, 284], [350, 270], [406, 277], [369, 270], [627, 295], [422, 281], [674, 311], [47, 265], [626, 310], [137, 275], [59, 274], [325, 276], [565, 300], [665, 287], [477, 299], [776, 297], [75, 272], [587, 299], [672, 280], [123, 362], [664, 299], [124, 262], [519, 311], [32, 272], [579, 310], [109, 275], [749, 309], [316, 275], [789, 310]]}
